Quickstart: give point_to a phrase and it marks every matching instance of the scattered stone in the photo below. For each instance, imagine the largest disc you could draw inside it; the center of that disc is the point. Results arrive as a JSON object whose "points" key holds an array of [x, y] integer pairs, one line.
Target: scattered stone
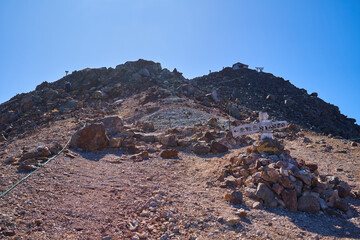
{"points": [[173, 153], [235, 197], [233, 221], [277, 188], [39, 152], [343, 189], [169, 141], [241, 213], [208, 137], [26, 168], [341, 205], [201, 149], [217, 147], [115, 142]]}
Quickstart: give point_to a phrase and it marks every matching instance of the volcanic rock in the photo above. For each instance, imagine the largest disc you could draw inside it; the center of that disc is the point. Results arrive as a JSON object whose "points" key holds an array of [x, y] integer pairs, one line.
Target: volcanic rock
{"points": [[290, 199], [308, 204], [173, 153], [217, 147], [113, 125], [264, 193], [235, 197], [169, 140], [201, 149], [90, 138]]}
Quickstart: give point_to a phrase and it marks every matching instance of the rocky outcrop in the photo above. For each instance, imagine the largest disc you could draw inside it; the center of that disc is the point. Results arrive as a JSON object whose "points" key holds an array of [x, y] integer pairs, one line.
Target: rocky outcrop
{"points": [[90, 138]]}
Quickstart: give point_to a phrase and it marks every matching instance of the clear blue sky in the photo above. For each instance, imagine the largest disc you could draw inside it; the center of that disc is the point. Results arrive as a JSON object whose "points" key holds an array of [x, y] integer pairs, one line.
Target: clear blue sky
{"points": [[315, 43]]}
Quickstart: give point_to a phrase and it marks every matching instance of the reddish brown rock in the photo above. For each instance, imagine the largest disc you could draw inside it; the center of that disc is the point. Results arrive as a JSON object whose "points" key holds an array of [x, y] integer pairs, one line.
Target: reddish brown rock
{"points": [[277, 188], [286, 182], [201, 149], [241, 213], [217, 147], [341, 205], [90, 138], [231, 181], [235, 197], [312, 166], [304, 176], [132, 149], [169, 153], [308, 203], [270, 175], [290, 199], [343, 189], [208, 137]]}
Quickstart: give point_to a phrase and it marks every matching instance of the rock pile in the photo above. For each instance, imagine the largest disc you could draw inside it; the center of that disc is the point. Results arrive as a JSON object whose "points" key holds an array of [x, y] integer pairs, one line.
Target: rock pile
{"points": [[270, 176]]}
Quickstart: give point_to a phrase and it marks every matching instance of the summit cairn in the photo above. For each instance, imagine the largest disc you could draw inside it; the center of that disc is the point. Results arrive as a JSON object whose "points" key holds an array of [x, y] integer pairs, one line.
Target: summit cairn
{"points": [[267, 175]]}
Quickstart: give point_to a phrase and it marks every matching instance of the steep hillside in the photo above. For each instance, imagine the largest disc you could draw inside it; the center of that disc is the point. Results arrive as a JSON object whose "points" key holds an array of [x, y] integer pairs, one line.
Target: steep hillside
{"points": [[258, 91], [240, 93]]}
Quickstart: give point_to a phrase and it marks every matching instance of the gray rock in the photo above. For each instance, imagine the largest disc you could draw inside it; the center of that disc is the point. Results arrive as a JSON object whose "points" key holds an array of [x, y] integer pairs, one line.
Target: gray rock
{"points": [[308, 203], [264, 193], [113, 125]]}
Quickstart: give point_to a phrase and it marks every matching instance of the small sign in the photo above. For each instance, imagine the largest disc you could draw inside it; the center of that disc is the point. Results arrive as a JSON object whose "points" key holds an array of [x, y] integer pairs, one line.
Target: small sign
{"points": [[265, 127]]}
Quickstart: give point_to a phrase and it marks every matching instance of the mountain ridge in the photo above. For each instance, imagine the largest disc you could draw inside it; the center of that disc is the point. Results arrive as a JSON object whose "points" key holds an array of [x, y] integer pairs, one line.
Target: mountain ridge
{"points": [[241, 93]]}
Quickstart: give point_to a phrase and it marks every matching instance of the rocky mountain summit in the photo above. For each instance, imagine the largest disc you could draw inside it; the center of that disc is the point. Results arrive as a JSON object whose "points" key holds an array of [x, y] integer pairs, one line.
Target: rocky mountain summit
{"points": [[140, 152], [240, 93]]}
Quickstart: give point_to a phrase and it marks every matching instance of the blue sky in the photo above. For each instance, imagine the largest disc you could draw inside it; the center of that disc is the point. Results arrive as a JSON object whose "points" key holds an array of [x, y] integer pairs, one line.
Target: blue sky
{"points": [[312, 43]]}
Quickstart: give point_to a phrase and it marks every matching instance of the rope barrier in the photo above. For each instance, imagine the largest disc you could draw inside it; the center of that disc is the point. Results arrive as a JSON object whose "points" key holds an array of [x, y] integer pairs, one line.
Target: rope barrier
{"points": [[24, 178]]}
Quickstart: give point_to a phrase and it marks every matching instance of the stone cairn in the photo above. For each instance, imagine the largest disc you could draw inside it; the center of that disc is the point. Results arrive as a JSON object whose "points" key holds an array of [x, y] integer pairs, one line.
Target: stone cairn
{"points": [[270, 176]]}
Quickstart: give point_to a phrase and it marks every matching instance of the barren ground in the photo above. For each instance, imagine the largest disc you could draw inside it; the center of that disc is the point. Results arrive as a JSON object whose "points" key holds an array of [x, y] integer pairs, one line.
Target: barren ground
{"points": [[106, 195]]}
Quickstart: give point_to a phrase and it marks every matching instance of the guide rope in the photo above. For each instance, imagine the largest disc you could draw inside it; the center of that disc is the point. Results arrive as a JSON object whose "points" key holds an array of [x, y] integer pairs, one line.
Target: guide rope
{"points": [[41, 166]]}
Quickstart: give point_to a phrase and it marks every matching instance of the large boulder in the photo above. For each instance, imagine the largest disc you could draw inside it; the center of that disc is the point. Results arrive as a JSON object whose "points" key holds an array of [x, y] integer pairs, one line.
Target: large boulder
{"points": [[113, 125], [308, 203], [90, 138]]}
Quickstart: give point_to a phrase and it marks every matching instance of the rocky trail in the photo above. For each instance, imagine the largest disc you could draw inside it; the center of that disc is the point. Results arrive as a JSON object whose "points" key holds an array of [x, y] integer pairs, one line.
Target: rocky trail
{"points": [[108, 195]]}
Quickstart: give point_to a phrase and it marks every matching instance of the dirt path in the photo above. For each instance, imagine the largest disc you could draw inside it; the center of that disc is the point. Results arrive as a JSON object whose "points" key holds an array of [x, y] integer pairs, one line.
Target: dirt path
{"points": [[109, 196]]}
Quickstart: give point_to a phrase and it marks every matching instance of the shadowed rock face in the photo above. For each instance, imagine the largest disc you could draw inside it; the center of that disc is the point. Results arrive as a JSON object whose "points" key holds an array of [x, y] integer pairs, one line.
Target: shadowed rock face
{"points": [[243, 91]]}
